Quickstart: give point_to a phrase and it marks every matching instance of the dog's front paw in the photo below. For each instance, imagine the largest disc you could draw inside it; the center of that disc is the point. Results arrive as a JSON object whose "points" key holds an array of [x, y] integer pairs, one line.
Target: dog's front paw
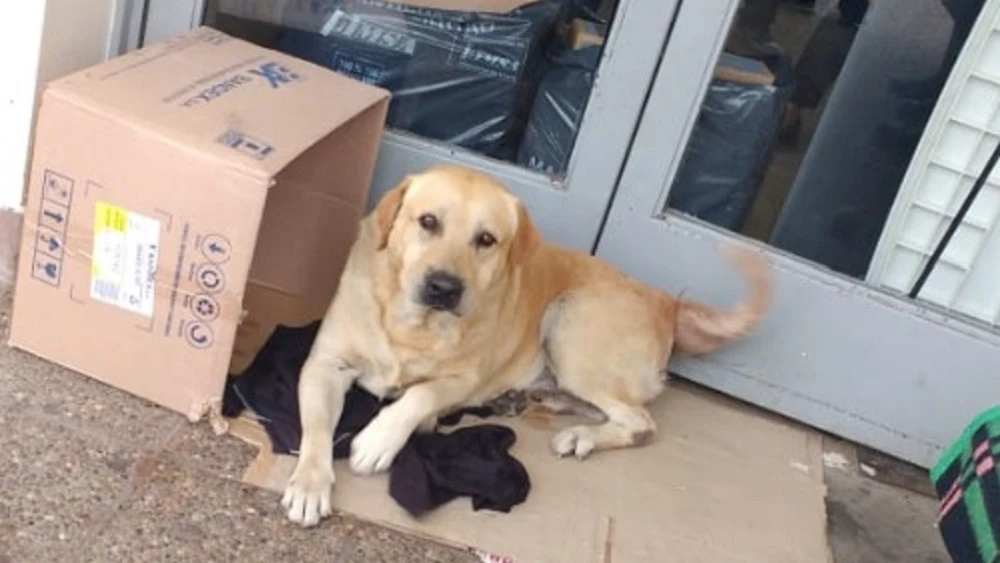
{"points": [[307, 495], [577, 441], [373, 450], [428, 426]]}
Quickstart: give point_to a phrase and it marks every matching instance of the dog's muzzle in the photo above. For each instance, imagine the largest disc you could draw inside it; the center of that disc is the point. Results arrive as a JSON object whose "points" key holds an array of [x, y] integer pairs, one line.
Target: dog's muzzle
{"points": [[442, 291]]}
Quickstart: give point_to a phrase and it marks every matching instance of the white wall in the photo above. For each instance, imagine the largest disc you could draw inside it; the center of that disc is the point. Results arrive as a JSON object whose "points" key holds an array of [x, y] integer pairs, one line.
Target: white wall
{"points": [[41, 40], [20, 49]]}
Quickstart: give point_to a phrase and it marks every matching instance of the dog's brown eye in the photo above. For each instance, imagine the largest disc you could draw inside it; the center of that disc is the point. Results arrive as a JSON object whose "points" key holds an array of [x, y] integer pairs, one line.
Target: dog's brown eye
{"points": [[429, 222], [485, 240]]}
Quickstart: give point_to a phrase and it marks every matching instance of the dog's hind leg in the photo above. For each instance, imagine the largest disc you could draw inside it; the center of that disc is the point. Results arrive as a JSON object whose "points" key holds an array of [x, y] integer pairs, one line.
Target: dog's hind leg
{"points": [[611, 361], [619, 390], [626, 426], [560, 401]]}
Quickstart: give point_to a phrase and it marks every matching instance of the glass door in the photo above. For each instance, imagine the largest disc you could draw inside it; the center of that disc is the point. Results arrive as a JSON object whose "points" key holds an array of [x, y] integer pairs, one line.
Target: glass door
{"points": [[788, 126], [544, 94]]}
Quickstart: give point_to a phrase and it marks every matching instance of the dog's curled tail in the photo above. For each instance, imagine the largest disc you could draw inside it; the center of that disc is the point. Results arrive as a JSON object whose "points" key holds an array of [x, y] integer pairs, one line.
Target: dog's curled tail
{"points": [[702, 329]]}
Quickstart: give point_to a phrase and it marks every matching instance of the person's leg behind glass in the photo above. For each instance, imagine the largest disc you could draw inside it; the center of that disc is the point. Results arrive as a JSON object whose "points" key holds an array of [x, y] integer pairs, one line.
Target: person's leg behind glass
{"points": [[751, 33], [820, 64]]}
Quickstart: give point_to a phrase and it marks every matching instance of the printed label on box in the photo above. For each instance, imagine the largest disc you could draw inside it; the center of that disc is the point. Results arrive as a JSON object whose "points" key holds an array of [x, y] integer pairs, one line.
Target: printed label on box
{"points": [[123, 268]]}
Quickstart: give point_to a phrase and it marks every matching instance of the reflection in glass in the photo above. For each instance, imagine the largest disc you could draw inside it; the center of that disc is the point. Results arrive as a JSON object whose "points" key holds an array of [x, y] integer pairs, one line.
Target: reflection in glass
{"points": [[511, 83], [812, 117]]}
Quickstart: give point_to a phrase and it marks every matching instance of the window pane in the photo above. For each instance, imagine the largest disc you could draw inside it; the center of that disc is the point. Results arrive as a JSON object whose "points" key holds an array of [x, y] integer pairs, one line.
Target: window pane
{"points": [[508, 79], [812, 117]]}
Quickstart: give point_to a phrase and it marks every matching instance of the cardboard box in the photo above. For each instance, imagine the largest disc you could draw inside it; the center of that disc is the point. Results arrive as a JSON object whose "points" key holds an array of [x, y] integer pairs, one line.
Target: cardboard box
{"points": [[583, 33], [742, 70], [178, 191]]}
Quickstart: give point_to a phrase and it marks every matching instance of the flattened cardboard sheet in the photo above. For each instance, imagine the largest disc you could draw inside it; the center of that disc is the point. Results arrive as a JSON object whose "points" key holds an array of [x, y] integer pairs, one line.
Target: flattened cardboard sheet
{"points": [[721, 483]]}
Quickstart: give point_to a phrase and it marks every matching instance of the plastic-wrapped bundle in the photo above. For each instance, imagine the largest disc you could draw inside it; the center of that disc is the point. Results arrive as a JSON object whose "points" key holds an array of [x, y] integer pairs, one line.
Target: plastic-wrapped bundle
{"points": [[726, 156], [467, 78], [558, 110]]}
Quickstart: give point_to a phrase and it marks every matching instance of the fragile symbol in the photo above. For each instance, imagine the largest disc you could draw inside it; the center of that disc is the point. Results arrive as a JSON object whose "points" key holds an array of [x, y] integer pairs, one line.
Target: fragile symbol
{"points": [[51, 270], [53, 245]]}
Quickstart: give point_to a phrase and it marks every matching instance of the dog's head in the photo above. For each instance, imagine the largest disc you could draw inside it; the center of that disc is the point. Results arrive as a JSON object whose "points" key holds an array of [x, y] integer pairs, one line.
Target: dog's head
{"points": [[453, 235]]}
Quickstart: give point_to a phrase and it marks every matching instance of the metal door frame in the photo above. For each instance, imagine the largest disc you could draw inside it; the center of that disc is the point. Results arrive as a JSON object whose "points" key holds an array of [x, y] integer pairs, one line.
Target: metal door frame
{"points": [[571, 216], [850, 359]]}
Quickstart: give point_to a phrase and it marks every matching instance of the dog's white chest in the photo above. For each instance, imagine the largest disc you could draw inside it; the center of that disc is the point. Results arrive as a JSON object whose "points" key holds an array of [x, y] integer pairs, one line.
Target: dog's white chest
{"points": [[388, 374]]}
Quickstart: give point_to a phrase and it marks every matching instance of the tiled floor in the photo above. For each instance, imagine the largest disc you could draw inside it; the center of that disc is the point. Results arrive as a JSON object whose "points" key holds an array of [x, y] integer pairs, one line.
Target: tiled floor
{"points": [[88, 473]]}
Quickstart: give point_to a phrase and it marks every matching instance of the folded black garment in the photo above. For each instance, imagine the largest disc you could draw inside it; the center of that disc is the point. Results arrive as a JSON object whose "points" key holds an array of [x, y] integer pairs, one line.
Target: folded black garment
{"points": [[474, 461], [430, 470]]}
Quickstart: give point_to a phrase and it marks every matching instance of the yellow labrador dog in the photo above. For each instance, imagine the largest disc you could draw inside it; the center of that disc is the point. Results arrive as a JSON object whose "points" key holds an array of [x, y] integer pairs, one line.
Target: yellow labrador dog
{"points": [[450, 298]]}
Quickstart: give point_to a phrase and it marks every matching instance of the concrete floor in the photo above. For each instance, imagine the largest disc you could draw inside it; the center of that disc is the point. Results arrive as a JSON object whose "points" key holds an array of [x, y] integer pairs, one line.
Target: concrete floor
{"points": [[89, 473], [879, 513]]}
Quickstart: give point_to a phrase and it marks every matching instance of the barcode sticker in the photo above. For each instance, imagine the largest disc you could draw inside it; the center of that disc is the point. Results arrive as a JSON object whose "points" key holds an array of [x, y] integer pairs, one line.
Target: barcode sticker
{"points": [[123, 267]]}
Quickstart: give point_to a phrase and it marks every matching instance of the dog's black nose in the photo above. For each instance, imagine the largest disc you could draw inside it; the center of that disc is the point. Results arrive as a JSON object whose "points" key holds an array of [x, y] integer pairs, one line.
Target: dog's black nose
{"points": [[442, 291]]}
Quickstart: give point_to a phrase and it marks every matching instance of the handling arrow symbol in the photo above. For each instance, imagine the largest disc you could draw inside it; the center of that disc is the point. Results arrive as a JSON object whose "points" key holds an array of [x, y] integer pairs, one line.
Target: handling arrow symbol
{"points": [[54, 215]]}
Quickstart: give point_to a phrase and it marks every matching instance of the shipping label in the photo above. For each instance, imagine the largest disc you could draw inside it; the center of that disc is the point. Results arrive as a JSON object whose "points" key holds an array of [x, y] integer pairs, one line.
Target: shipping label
{"points": [[123, 266]]}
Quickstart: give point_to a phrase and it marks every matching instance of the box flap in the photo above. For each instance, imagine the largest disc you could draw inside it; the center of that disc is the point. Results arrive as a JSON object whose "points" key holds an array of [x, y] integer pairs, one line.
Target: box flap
{"points": [[277, 106]]}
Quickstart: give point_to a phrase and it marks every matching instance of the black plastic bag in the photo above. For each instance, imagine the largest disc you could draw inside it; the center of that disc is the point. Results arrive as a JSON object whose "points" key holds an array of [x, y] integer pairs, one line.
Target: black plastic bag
{"points": [[461, 77], [558, 110], [721, 170]]}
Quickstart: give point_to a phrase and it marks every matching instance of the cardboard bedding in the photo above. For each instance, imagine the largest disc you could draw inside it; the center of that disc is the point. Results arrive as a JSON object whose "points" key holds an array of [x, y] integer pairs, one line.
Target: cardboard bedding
{"points": [[432, 469], [721, 483]]}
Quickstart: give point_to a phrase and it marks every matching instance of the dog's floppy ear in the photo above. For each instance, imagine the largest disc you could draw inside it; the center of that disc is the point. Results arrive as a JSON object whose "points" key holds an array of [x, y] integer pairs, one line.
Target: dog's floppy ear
{"points": [[526, 238], [386, 211]]}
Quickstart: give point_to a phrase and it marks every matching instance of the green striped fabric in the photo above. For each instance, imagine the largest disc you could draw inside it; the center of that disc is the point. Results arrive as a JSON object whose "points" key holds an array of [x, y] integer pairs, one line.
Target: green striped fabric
{"points": [[967, 480]]}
